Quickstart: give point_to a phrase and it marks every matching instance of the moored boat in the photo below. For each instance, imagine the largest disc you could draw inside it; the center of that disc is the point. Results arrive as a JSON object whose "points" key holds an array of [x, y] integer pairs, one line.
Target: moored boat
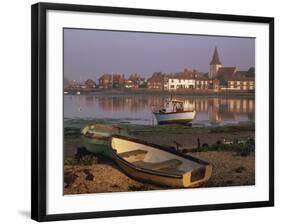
{"points": [[96, 137], [157, 164], [174, 111]]}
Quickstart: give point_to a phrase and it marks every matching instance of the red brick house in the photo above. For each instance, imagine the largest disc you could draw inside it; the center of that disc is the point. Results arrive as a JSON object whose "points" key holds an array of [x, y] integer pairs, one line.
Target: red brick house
{"points": [[90, 84], [233, 79], [203, 83], [243, 80], [156, 81], [107, 81], [137, 80]]}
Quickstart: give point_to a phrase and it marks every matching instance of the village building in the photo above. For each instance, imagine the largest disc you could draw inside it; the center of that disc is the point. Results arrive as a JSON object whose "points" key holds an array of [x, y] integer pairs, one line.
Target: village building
{"points": [[156, 81], [73, 84], [241, 84], [118, 80], [107, 81], [179, 84], [129, 84], [243, 80], [181, 81], [138, 81], [230, 78], [203, 83], [90, 84]]}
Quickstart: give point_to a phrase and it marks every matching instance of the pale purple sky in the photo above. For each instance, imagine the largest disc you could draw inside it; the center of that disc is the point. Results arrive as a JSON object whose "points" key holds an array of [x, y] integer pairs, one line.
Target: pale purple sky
{"points": [[90, 53]]}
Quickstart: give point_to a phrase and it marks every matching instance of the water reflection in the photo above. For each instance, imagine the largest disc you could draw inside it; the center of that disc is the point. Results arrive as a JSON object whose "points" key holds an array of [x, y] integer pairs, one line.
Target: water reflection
{"points": [[137, 109]]}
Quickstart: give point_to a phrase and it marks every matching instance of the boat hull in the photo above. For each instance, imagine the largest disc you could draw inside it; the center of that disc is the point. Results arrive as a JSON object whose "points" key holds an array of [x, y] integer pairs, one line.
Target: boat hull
{"points": [[177, 117], [96, 138], [96, 146]]}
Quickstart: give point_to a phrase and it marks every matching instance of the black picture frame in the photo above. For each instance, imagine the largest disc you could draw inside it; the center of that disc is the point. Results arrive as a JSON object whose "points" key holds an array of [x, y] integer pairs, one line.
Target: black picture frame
{"points": [[38, 116]]}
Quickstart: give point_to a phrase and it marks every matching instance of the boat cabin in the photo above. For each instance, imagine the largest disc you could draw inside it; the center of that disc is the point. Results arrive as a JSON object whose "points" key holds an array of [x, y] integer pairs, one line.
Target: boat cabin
{"points": [[173, 106]]}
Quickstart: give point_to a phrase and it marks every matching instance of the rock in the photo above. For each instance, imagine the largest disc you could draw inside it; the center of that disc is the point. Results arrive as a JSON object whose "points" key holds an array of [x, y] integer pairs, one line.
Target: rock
{"points": [[240, 169], [89, 175], [69, 178]]}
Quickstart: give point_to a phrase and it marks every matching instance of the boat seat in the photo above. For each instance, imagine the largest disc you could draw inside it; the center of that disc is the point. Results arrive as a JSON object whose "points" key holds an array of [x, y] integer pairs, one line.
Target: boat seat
{"points": [[132, 153], [168, 164]]}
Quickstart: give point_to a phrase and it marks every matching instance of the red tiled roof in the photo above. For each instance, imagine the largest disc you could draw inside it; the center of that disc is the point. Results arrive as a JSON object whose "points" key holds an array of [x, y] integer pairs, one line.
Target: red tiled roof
{"points": [[106, 76], [226, 72], [156, 78], [89, 82], [116, 77], [184, 76], [242, 76]]}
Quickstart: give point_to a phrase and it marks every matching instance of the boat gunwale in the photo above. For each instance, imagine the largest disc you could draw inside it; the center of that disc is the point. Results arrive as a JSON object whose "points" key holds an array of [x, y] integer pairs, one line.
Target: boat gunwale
{"points": [[176, 112], [150, 171], [99, 137], [179, 121], [164, 148]]}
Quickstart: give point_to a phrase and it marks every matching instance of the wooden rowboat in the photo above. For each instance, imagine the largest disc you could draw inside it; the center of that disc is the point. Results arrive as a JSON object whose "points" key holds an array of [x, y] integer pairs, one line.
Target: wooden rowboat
{"points": [[157, 164], [96, 137]]}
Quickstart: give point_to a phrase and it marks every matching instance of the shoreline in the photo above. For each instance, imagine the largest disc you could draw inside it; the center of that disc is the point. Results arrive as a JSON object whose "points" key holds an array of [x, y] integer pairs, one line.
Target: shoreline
{"points": [[189, 93], [168, 135]]}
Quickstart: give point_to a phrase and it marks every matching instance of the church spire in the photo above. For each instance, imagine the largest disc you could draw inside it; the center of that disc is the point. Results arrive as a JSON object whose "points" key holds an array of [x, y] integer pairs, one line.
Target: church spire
{"points": [[216, 59]]}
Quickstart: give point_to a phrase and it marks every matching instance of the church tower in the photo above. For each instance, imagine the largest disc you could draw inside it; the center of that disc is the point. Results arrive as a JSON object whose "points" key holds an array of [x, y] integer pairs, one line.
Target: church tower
{"points": [[215, 65]]}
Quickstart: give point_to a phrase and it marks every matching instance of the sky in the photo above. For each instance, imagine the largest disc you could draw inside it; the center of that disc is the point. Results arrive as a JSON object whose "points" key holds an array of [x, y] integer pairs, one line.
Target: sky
{"points": [[90, 53]]}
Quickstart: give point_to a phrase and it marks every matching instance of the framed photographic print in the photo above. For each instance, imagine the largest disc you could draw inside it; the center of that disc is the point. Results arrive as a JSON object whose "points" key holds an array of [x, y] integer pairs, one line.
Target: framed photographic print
{"points": [[138, 111]]}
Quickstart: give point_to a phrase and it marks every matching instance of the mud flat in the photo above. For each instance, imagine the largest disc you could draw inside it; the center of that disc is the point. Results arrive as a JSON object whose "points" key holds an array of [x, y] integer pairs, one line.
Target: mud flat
{"points": [[184, 137]]}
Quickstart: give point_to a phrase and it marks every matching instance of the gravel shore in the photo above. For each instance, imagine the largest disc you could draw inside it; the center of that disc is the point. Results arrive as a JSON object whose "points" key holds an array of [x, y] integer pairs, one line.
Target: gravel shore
{"points": [[229, 169]]}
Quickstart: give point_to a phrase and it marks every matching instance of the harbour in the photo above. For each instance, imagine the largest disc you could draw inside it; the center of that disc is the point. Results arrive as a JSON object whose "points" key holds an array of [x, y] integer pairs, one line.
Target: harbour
{"points": [[137, 109]]}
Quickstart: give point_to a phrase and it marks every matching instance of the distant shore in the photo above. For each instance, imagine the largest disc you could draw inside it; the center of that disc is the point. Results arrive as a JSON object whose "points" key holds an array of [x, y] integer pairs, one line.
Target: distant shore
{"points": [[230, 167], [203, 93]]}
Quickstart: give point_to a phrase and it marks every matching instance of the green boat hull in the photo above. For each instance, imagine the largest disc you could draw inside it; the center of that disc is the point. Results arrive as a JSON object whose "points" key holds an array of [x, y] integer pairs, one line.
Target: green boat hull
{"points": [[97, 138]]}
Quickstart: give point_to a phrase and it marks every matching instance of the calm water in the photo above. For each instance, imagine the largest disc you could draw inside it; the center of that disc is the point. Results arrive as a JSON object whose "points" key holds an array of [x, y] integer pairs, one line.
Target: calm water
{"points": [[137, 109]]}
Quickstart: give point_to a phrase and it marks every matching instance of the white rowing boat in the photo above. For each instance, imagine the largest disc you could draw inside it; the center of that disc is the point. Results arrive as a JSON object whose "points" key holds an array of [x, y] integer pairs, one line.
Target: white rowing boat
{"points": [[157, 164]]}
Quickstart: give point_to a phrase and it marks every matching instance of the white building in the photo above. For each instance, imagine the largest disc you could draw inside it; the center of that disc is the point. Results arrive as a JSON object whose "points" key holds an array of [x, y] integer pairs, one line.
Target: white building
{"points": [[176, 83]]}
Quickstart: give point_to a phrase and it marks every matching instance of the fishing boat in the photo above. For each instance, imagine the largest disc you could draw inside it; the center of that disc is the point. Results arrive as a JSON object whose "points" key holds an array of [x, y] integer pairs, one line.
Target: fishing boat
{"points": [[174, 111], [157, 164]]}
